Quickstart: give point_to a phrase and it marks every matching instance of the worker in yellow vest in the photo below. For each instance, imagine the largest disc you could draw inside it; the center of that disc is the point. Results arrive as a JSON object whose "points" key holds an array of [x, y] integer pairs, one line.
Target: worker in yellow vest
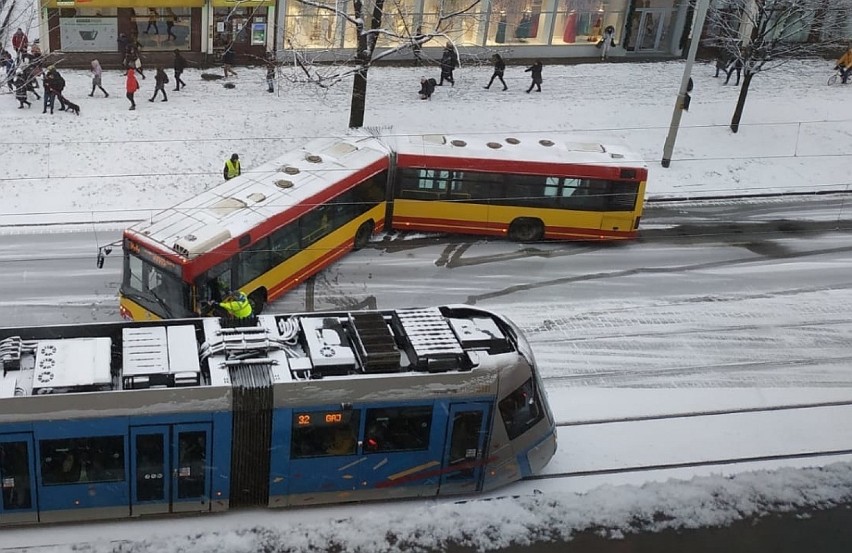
{"points": [[237, 305], [232, 167]]}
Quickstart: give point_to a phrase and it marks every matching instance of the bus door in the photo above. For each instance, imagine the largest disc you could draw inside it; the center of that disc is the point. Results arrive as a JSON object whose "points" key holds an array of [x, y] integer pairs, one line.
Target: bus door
{"points": [[171, 469], [464, 451], [17, 501]]}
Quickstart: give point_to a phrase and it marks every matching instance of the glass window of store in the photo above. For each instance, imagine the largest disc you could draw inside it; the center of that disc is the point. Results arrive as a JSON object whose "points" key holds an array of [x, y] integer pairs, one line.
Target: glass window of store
{"points": [[465, 29], [88, 29], [161, 28], [583, 21], [650, 25], [244, 26], [519, 22]]}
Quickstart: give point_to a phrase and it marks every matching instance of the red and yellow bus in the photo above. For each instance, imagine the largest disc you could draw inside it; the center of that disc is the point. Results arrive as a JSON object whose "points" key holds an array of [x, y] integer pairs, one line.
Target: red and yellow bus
{"points": [[525, 188], [271, 228]]}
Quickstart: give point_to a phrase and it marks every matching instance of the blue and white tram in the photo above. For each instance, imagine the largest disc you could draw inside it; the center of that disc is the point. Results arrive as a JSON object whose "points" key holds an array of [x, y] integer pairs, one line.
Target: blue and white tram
{"points": [[128, 419]]}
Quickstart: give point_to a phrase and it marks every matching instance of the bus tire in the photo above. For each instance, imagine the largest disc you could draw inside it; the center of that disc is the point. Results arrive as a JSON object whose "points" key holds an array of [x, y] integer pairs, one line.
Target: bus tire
{"points": [[526, 230], [362, 237]]}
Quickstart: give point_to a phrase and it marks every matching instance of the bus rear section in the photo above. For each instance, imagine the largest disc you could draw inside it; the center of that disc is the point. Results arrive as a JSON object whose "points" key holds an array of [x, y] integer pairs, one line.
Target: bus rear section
{"points": [[536, 192]]}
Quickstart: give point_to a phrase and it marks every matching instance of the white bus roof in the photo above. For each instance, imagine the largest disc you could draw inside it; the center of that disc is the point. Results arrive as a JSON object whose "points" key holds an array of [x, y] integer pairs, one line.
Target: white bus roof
{"points": [[236, 206], [544, 147], [232, 208]]}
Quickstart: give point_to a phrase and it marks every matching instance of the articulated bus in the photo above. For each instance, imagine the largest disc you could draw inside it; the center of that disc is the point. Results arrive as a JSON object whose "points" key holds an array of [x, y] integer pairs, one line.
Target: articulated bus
{"points": [[273, 227]]}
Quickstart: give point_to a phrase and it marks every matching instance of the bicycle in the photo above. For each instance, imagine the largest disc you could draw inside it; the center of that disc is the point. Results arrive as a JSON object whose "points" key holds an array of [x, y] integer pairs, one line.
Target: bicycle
{"points": [[833, 79]]}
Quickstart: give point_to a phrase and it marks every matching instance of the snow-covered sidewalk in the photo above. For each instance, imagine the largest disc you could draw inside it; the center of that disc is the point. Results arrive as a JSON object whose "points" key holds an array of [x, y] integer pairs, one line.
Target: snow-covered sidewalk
{"points": [[115, 164]]}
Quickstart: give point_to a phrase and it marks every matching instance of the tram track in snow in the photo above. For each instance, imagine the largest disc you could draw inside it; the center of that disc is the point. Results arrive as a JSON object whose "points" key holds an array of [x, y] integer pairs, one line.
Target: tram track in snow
{"points": [[727, 440]]}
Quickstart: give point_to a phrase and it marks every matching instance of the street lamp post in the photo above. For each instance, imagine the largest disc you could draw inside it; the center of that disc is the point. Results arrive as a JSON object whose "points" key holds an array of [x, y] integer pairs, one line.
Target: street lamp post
{"points": [[681, 103]]}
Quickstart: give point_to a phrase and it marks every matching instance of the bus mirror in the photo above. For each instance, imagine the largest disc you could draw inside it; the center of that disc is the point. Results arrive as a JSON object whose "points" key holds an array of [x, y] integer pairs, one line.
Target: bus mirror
{"points": [[103, 251]]}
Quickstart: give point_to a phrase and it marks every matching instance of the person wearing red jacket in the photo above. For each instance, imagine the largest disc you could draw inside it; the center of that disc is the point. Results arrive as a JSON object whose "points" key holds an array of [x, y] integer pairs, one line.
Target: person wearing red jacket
{"points": [[20, 42], [132, 86]]}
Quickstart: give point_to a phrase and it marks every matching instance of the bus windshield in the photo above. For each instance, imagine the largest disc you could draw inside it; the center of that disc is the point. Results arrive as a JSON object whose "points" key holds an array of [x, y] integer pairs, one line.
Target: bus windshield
{"points": [[155, 288]]}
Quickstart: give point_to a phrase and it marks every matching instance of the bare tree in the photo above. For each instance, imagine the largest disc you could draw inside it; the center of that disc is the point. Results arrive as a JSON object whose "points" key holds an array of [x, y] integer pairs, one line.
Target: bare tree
{"points": [[758, 35], [368, 33]]}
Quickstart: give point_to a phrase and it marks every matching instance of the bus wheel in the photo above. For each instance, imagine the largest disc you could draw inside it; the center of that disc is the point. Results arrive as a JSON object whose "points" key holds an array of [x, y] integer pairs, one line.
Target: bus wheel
{"points": [[526, 230], [362, 237]]}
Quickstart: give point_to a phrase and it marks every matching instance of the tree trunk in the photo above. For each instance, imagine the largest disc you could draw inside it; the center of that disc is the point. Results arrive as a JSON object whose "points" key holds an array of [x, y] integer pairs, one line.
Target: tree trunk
{"points": [[738, 112], [366, 46], [359, 99]]}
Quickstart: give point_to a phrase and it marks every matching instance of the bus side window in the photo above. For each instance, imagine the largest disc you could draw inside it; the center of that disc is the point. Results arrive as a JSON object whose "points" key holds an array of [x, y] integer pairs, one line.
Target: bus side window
{"points": [[253, 262], [284, 243]]}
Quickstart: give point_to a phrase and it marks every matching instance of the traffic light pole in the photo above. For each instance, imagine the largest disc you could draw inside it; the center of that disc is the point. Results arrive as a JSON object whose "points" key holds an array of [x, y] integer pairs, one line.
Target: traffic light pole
{"points": [[681, 102]]}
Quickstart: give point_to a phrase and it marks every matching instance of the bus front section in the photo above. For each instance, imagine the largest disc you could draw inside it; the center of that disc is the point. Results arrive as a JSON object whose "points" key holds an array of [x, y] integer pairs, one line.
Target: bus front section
{"points": [[151, 286]]}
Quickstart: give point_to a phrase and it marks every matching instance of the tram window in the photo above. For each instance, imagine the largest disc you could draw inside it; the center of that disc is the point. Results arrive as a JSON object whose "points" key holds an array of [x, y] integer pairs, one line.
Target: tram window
{"points": [[521, 409], [433, 179], [324, 434], [398, 429], [82, 460]]}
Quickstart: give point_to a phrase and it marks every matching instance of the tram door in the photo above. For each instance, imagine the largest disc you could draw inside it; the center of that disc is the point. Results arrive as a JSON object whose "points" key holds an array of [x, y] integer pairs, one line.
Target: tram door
{"points": [[464, 452], [17, 503], [170, 468]]}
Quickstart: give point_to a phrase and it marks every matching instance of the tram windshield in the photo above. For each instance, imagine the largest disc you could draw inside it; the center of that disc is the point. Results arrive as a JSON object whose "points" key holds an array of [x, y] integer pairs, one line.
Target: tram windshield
{"points": [[521, 409]]}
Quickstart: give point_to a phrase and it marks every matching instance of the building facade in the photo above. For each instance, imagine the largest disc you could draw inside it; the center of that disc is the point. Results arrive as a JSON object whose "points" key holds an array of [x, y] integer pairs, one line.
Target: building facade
{"points": [[518, 28]]}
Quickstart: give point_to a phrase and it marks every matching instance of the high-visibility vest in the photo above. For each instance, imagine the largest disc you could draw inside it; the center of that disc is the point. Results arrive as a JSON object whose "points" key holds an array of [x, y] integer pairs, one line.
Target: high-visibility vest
{"points": [[233, 168], [239, 308]]}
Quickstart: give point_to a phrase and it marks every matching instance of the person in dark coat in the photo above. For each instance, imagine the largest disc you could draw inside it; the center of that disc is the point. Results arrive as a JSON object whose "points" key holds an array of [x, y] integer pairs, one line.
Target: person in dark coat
{"points": [[427, 87], [228, 59], [535, 69], [271, 70], [31, 73], [735, 64], [56, 83], [21, 90], [160, 82], [499, 69], [180, 65], [449, 61]]}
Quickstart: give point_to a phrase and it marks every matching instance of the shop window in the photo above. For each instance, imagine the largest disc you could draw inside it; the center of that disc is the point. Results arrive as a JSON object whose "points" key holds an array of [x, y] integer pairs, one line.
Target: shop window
{"points": [[162, 28]]}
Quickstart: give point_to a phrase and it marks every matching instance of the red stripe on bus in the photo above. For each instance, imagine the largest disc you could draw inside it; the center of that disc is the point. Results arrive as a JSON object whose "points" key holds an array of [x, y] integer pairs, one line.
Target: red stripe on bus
{"points": [[416, 161]]}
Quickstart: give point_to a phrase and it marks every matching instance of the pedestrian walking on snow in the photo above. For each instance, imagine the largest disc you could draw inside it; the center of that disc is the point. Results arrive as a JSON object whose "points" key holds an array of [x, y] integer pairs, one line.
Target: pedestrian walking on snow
{"points": [[535, 69], [160, 82], [97, 74], [499, 69], [132, 85], [180, 65], [228, 58], [271, 68], [20, 43], [449, 61], [21, 90]]}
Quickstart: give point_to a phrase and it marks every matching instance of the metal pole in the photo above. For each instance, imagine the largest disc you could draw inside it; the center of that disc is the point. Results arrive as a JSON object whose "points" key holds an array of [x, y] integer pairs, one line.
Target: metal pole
{"points": [[695, 34]]}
